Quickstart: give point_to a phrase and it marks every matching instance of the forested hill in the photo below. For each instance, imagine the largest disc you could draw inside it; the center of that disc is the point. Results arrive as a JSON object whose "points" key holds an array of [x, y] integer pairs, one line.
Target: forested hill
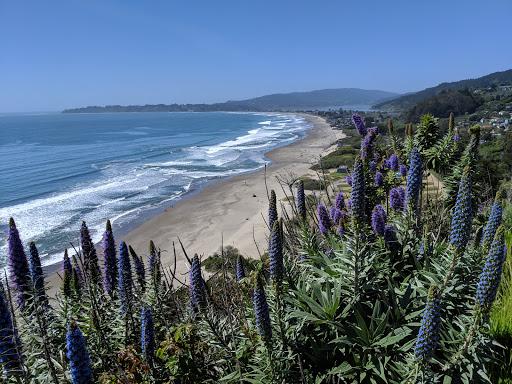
{"points": [[319, 99], [408, 101]]}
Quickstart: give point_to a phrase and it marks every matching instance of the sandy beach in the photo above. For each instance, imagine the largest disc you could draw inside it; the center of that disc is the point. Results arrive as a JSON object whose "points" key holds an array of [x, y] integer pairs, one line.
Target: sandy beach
{"points": [[232, 209]]}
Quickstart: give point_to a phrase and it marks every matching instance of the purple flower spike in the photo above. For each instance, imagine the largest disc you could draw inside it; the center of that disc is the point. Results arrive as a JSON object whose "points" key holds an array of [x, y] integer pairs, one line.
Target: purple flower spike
{"points": [[147, 334], [403, 170], [379, 220], [239, 268], [18, 265], [340, 201], [372, 166], [197, 286], [301, 200], [392, 162], [125, 279], [367, 143], [110, 262], [359, 124], [428, 334], [348, 180], [324, 221], [78, 356], [261, 311], [275, 254], [396, 198], [10, 345], [357, 196], [379, 179], [336, 215]]}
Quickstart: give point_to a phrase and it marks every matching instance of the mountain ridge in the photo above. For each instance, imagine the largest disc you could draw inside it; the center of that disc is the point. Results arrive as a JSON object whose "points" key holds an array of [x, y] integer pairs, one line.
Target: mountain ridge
{"points": [[316, 99]]}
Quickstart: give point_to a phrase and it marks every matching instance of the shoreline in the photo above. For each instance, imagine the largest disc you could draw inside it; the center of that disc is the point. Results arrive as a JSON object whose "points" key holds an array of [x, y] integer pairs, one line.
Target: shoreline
{"points": [[227, 211]]}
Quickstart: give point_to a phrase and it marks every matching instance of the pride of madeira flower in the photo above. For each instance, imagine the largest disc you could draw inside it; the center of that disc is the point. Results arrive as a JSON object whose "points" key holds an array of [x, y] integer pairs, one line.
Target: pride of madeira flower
{"points": [[414, 179], [261, 310], [462, 214], [10, 348], [301, 200], [109, 256], [494, 220], [125, 279], [490, 277], [357, 196], [78, 356], [18, 265], [430, 326]]}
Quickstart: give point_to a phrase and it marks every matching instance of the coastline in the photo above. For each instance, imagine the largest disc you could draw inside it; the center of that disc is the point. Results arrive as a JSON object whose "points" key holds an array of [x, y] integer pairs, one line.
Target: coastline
{"points": [[229, 211]]}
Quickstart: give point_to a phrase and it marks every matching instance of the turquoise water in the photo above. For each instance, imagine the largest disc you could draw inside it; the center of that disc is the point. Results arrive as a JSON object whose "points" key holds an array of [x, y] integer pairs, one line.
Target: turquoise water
{"points": [[59, 169]]}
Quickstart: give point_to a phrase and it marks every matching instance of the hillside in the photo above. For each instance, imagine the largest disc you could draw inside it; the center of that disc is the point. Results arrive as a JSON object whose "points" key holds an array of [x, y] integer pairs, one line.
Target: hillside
{"points": [[318, 99], [410, 100]]}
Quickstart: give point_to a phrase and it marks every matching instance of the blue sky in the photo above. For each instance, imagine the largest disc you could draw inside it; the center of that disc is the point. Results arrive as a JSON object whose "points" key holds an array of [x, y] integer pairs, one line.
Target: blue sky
{"points": [[64, 53]]}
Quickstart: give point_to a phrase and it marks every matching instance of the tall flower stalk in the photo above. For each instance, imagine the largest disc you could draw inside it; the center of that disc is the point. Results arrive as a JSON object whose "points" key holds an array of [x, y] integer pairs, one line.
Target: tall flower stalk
{"points": [[261, 311], [359, 124], [110, 262], [357, 196], [272, 209], [125, 279], [275, 253], [67, 272], [301, 200], [379, 220], [10, 347], [140, 270], [197, 286], [147, 337], [91, 265], [414, 180], [324, 221], [18, 265], [462, 215], [430, 327], [36, 273], [79, 360], [494, 221]]}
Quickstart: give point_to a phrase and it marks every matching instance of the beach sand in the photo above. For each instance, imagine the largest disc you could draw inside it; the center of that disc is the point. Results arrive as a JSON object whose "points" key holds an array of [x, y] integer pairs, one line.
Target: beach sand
{"points": [[230, 211]]}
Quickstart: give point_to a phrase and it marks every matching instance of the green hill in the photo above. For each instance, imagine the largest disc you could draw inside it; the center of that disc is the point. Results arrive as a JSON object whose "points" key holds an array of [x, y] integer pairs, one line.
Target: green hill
{"points": [[319, 99], [408, 101]]}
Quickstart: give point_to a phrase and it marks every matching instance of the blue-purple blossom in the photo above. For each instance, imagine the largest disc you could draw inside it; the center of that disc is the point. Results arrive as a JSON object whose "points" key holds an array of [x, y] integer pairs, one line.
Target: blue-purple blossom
{"points": [[275, 254], [324, 221], [493, 222], [403, 170], [490, 277], [140, 270], [379, 179], [78, 356], [359, 124], [379, 220], [10, 346], [357, 196], [272, 209], [110, 262], [336, 215], [154, 266], [390, 238], [456, 138], [392, 162], [125, 279], [239, 268], [90, 257], [462, 214], [261, 311], [396, 198], [340, 230], [36, 274], [367, 143], [348, 180], [67, 272], [301, 200], [18, 265], [430, 327], [147, 333], [414, 179], [372, 166], [197, 286], [340, 201]]}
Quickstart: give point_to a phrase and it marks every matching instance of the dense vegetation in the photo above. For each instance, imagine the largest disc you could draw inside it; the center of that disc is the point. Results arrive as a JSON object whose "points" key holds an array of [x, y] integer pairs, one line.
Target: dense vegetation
{"points": [[408, 101], [389, 284]]}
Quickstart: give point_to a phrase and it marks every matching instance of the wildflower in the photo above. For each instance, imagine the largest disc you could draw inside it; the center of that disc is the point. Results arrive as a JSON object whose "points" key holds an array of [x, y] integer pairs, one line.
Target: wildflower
{"points": [[340, 230], [336, 214], [348, 180], [110, 264], [301, 200], [392, 162], [36, 273], [79, 360], [462, 214], [359, 124], [261, 311], [140, 270], [10, 347], [491, 274], [154, 265], [428, 334], [275, 253], [18, 265], [147, 333], [67, 271], [324, 221], [91, 265], [494, 220], [403, 170], [367, 143], [272, 210], [124, 279], [239, 268], [372, 166], [197, 286], [378, 220], [456, 138], [340, 201], [379, 179], [357, 197], [414, 179], [396, 198]]}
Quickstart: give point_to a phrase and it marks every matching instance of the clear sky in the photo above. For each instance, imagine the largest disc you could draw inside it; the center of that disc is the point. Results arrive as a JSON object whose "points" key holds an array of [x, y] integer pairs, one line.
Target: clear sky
{"points": [[67, 53]]}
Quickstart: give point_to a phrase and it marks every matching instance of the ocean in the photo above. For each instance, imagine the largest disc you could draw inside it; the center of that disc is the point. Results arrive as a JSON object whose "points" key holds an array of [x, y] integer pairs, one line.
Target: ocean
{"points": [[59, 169]]}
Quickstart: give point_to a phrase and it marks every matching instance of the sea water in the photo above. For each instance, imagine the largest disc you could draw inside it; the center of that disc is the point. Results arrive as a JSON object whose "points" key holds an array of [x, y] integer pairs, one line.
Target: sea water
{"points": [[59, 169]]}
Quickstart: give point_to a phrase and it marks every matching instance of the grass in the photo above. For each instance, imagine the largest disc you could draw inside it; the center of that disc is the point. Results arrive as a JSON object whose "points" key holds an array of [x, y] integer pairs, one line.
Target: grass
{"points": [[341, 156]]}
